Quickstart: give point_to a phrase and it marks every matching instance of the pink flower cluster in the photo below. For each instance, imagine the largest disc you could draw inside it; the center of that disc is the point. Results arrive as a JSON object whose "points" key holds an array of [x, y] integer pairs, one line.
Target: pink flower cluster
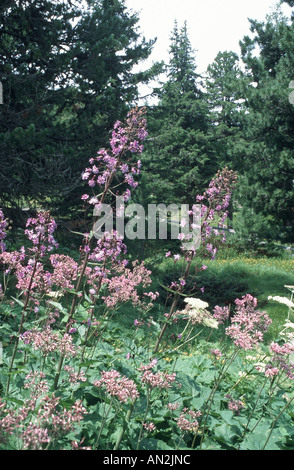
{"points": [[50, 423], [173, 406], [40, 231], [218, 196], [123, 287], [108, 248], [94, 277], [41, 420], [105, 256], [214, 204], [48, 341], [216, 353], [187, 420], [280, 361], [161, 380], [118, 386], [29, 271], [219, 190], [65, 270], [221, 314], [271, 370], [12, 260], [284, 350], [235, 405], [32, 276], [248, 324], [150, 427], [125, 138], [75, 377], [35, 381]]}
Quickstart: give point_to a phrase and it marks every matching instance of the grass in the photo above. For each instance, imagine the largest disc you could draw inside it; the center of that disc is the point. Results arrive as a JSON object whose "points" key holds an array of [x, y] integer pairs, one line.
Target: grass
{"points": [[265, 277], [231, 278]]}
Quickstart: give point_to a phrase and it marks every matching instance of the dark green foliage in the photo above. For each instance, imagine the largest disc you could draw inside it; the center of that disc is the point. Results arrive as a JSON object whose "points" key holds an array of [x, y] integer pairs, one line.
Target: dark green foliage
{"points": [[268, 165], [67, 76], [225, 84], [239, 116], [36, 39], [179, 151], [67, 72]]}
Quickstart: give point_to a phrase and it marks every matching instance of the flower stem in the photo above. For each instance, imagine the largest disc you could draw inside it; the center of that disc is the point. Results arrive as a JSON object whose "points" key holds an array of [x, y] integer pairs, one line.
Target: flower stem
{"points": [[211, 397], [22, 319], [121, 433], [274, 422], [105, 415], [144, 419]]}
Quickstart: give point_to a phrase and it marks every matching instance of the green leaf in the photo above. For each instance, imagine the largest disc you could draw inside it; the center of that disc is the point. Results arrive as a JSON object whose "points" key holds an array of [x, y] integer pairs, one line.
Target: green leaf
{"points": [[154, 444], [228, 416], [77, 233], [82, 331], [207, 377], [227, 434], [257, 440], [19, 302], [82, 313], [59, 306], [89, 300]]}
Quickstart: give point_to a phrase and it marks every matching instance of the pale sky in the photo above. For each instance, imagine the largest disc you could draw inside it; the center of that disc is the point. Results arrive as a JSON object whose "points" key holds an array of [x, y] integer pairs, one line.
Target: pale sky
{"points": [[213, 25]]}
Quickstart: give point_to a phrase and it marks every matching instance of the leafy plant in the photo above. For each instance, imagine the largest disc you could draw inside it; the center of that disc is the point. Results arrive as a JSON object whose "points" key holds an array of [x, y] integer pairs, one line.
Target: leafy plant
{"points": [[91, 361]]}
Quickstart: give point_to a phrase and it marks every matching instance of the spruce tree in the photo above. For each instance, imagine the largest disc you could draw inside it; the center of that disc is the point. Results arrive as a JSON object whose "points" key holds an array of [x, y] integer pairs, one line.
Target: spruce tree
{"points": [[225, 86], [67, 76], [177, 157], [35, 54], [268, 164]]}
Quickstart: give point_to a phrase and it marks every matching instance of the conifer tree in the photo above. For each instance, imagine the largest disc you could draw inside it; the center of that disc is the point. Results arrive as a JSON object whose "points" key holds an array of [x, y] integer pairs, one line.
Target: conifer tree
{"points": [[177, 156], [268, 164], [225, 86], [67, 75]]}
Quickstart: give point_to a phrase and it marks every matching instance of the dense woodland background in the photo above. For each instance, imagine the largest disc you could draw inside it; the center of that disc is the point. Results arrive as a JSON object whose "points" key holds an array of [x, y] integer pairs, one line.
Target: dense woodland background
{"points": [[68, 74]]}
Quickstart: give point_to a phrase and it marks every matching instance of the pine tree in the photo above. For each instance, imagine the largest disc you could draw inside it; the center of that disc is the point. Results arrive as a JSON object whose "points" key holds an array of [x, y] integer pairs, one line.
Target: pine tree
{"points": [[67, 75], [34, 59], [268, 164], [225, 84], [177, 156]]}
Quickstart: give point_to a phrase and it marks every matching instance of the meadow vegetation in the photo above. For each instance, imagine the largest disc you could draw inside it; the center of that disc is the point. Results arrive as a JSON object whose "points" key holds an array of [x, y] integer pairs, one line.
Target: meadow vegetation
{"points": [[184, 350]]}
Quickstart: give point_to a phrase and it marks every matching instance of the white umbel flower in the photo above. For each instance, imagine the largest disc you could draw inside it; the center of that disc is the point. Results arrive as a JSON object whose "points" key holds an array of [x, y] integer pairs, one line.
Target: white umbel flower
{"points": [[196, 303], [210, 322], [291, 288], [282, 300], [197, 313]]}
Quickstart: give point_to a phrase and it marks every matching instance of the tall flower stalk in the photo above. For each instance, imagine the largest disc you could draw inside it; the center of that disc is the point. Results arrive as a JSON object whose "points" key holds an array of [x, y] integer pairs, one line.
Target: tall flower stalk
{"points": [[117, 162], [217, 199], [247, 328], [40, 232]]}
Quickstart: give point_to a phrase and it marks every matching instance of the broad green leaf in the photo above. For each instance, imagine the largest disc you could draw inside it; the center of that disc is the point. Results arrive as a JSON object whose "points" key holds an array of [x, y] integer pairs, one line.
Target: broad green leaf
{"points": [[154, 444], [19, 302], [227, 434], [257, 441], [59, 306]]}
